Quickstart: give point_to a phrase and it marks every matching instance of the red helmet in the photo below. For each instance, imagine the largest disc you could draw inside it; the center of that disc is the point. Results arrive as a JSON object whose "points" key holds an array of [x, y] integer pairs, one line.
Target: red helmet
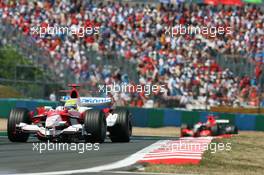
{"points": [[211, 119]]}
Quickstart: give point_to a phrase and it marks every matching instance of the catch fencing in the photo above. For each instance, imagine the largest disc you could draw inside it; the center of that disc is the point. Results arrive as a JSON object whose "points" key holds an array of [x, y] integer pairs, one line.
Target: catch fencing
{"points": [[239, 65], [55, 75]]}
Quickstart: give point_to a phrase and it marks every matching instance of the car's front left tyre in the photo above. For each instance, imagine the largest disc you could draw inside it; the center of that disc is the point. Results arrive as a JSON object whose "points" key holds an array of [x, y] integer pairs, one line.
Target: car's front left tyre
{"points": [[17, 115]]}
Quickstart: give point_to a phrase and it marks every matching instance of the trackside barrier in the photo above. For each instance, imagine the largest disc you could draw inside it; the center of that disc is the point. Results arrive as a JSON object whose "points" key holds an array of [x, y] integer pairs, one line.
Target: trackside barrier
{"points": [[170, 117], [142, 119], [259, 124], [245, 121], [155, 118], [152, 117], [6, 104], [5, 107], [189, 117]]}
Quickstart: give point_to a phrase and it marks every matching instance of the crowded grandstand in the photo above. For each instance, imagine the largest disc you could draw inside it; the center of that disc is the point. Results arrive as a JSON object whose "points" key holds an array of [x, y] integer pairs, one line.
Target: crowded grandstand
{"points": [[185, 65]]}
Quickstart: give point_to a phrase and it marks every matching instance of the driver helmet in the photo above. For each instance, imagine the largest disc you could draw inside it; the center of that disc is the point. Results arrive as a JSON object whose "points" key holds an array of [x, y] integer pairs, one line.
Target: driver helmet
{"points": [[211, 119], [71, 104]]}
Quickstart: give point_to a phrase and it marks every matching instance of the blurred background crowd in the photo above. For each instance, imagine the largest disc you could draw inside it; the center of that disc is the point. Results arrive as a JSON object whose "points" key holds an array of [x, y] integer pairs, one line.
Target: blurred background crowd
{"points": [[185, 64]]}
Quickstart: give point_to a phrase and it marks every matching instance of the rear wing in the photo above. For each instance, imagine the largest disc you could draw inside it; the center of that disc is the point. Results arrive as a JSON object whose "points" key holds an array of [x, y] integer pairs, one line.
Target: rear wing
{"points": [[85, 101], [222, 121], [94, 101]]}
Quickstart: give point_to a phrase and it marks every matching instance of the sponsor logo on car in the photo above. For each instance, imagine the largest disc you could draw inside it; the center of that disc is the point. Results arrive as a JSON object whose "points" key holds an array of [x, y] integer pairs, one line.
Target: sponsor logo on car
{"points": [[95, 100]]}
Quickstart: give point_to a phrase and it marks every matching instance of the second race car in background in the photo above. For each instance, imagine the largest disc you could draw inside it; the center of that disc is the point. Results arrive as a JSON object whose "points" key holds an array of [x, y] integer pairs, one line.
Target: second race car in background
{"points": [[213, 127]]}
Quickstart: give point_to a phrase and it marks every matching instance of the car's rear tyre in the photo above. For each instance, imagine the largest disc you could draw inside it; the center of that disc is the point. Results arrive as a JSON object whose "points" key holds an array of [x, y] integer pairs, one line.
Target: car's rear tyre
{"points": [[184, 127], [231, 130], [122, 130], [17, 116], [95, 126]]}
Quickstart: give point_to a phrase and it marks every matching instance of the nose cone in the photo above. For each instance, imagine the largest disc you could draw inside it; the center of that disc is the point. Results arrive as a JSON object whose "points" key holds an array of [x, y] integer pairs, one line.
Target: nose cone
{"points": [[53, 121]]}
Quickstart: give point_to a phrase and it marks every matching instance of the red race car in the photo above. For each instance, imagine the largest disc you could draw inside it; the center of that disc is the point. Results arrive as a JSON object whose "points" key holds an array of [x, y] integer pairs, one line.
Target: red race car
{"points": [[212, 127], [80, 118]]}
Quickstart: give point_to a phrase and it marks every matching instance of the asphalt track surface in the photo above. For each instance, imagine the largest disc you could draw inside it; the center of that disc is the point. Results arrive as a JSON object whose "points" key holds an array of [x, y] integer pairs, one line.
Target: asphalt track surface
{"points": [[21, 158]]}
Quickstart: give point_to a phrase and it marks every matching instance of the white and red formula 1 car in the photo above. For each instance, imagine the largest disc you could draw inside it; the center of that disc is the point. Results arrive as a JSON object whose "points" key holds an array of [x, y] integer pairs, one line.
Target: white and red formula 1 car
{"points": [[80, 118]]}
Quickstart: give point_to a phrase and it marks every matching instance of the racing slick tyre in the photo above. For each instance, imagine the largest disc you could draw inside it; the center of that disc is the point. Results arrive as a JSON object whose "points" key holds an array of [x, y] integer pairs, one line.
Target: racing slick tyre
{"points": [[122, 130], [17, 116], [184, 127], [231, 130], [95, 125]]}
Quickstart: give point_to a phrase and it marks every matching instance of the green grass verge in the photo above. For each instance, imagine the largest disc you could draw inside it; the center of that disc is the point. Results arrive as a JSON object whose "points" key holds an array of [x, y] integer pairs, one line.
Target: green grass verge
{"points": [[245, 157]]}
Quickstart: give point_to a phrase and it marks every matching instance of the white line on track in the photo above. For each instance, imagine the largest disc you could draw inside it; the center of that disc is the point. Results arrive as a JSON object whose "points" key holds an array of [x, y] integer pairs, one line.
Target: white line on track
{"points": [[119, 164]]}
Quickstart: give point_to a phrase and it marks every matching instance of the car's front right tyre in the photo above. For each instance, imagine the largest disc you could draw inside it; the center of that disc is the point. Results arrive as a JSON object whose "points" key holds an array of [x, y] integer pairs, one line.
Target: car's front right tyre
{"points": [[95, 126], [122, 130]]}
